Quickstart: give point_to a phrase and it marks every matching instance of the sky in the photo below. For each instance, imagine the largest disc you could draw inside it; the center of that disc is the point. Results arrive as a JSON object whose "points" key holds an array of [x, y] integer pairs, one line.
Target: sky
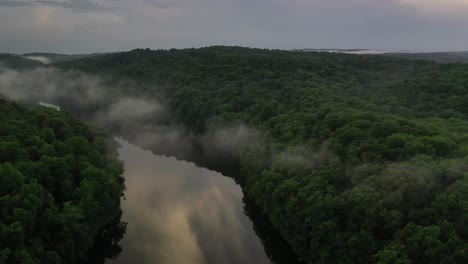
{"points": [[85, 26]]}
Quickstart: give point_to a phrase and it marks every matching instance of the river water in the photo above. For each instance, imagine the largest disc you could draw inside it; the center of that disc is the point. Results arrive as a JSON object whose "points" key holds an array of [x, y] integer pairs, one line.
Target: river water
{"points": [[178, 213]]}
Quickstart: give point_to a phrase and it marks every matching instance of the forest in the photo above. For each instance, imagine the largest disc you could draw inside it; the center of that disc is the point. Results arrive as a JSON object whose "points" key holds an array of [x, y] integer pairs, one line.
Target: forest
{"points": [[13, 61], [363, 158], [60, 187], [360, 159]]}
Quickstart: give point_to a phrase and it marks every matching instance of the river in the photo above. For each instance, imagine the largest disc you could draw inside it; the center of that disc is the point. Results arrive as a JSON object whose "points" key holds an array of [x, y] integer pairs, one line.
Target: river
{"points": [[180, 213]]}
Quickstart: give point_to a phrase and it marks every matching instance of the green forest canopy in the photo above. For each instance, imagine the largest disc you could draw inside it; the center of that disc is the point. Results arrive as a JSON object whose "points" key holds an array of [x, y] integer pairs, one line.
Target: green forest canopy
{"points": [[60, 183], [366, 157], [17, 62]]}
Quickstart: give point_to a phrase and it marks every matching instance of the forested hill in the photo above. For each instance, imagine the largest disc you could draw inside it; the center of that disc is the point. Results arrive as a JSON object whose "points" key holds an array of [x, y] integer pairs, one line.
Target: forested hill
{"points": [[60, 185], [17, 62], [403, 86], [54, 57], [364, 159], [442, 57]]}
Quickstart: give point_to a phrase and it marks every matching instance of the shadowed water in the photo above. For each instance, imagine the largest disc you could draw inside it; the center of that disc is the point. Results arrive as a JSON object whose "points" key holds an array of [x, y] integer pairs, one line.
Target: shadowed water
{"points": [[180, 213]]}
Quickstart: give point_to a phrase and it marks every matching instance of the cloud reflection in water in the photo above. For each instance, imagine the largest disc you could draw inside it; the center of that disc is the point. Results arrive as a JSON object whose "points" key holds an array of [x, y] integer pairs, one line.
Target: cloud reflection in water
{"points": [[179, 213]]}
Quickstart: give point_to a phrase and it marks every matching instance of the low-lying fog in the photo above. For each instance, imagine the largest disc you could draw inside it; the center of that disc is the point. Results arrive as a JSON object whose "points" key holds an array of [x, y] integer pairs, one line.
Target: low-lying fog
{"points": [[176, 211]]}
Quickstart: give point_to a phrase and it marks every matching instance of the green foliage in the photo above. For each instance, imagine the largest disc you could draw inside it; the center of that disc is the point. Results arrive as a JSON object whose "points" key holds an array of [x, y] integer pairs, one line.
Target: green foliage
{"points": [[391, 185], [60, 183], [17, 62]]}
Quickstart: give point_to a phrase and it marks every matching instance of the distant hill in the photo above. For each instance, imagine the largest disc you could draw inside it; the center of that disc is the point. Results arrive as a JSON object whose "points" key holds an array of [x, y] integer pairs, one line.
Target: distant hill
{"points": [[55, 57], [444, 57], [345, 51], [441, 57], [17, 62], [355, 51]]}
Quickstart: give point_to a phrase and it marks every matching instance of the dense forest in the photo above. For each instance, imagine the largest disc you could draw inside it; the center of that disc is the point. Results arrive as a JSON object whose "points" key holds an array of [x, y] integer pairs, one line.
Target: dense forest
{"points": [[54, 57], [442, 57], [60, 187], [363, 159], [17, 62]]}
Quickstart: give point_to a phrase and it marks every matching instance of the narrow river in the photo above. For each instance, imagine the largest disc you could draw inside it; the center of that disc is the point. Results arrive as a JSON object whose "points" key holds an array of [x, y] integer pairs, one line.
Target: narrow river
{"points": [[178, 213]]}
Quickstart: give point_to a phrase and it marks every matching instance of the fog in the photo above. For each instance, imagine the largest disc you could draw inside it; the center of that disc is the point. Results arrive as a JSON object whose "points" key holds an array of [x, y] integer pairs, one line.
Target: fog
{"points": [[301, 160], [38, 58], [176, 212], [107, 104], [146, 120]]}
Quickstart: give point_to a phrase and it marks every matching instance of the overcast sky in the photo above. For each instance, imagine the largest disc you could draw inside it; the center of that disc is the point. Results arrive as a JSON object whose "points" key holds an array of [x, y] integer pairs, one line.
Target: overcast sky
{"points": [[83, 26]]}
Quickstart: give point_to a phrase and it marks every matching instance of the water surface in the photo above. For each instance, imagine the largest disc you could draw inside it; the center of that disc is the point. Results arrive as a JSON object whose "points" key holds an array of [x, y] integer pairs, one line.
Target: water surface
{"points": [[180, 213]]}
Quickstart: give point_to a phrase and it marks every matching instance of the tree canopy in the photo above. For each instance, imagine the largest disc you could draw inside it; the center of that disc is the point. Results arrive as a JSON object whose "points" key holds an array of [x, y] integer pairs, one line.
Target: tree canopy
{"points": [[364, 159], [60, 184]]}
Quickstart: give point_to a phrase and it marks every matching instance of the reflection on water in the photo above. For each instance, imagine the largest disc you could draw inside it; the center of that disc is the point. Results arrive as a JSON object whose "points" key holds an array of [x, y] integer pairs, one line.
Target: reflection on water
{"points": [[179, 213]]}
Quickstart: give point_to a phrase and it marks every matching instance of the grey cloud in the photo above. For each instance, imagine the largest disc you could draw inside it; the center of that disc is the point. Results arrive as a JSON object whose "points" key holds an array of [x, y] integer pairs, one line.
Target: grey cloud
{"points": [[76, 5], [284, 24], [12, 3], [163, 3], [81, 5]]}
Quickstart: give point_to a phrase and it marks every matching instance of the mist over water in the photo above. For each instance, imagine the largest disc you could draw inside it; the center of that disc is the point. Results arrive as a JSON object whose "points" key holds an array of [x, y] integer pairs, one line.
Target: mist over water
{"points": [[176, 212], [180, 213], [118, 106]]}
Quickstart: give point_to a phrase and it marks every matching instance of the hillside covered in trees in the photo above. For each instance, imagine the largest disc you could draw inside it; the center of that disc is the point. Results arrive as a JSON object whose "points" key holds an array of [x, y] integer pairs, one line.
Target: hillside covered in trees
{"points": [[363, 159], [60, 186], [54, 57], [12, 61], [442, 57]]}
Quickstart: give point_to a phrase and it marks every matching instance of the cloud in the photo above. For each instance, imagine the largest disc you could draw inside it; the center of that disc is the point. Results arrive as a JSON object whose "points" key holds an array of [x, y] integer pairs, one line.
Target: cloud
{"points": [[13, 3], [111, 25], [76, 5], [435, 6]]}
